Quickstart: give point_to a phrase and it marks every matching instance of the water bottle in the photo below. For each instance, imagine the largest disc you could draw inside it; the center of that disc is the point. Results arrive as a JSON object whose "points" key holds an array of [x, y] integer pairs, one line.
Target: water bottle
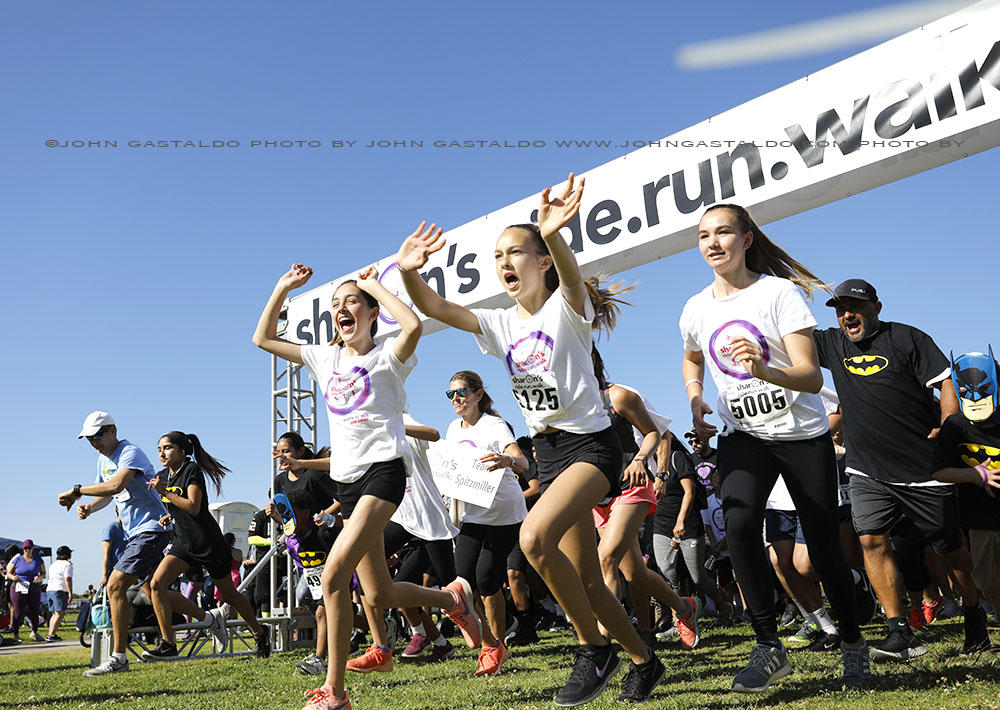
{"points": [[673, 552], [710, 562], [324, 519]]}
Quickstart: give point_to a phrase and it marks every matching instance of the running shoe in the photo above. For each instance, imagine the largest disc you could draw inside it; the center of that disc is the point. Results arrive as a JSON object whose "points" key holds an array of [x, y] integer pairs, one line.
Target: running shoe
{"points": [[977, 638], [417, 645], [372, 660], [826, 642], [52, 637], [463, 614], [311, 665], [949, 609], [857, 666], [441, 653], [807, 633], [215, 622], [687, 625], [593, 667], [641, 680], [789, 616], [929, 611], [490, 660], [162, 651], [323, 699], [35, 636], [523, 635], [767, 664], [668, 634], [264, 642], [917, 620], [545, 619], [899, 645], [110, 665]]}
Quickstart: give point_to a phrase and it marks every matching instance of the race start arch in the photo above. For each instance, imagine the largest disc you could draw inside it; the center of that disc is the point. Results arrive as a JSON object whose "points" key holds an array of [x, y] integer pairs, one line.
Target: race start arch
{"points": [[921, 100]]}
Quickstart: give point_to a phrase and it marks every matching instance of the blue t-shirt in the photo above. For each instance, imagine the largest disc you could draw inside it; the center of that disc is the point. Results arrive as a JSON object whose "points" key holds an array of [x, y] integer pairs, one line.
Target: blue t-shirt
{"points": [[139, 507], [115, 534]]}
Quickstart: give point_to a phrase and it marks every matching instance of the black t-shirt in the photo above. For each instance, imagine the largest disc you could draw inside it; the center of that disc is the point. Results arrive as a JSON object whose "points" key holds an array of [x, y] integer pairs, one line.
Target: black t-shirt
{"points": [[311, 548], [681, 466], [317, 484], [199, 534], [961, 444], [704, 467], [884, 384]]}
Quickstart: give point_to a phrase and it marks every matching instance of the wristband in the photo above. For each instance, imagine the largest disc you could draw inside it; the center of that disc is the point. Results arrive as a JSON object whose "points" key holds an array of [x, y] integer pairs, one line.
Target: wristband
{"points": [[693, 381], [984, 472], [401, 269]]}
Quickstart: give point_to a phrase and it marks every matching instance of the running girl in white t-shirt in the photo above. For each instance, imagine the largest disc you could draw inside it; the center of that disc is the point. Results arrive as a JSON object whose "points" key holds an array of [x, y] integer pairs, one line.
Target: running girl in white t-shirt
{"points": [[544, 340], [487, 535], [362, 386], [754, 329]]}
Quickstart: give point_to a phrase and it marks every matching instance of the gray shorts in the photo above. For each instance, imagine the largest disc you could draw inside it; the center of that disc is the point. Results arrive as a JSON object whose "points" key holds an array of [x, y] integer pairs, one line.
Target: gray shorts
{"points": [[877, 508]]}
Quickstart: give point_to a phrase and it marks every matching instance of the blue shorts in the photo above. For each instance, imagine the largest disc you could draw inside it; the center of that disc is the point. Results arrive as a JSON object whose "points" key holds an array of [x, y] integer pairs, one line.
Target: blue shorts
{"points": [[783, 525], [59, 599], [143, 553]]}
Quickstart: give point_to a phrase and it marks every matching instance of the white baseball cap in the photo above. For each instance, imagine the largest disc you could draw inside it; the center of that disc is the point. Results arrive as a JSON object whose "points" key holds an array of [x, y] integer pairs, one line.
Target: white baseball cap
{"points": [[93, 423]]}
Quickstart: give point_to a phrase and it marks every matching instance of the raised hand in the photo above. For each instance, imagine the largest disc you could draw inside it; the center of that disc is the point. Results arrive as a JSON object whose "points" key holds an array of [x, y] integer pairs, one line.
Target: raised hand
{"points": [[555, 213], [367, 278], [417, 248], [295, 277]]}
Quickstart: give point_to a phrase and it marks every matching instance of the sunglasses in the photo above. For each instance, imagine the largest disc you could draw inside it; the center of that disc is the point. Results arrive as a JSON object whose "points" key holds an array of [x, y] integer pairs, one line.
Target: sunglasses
{"points": [[462, 392], [95, 437]]}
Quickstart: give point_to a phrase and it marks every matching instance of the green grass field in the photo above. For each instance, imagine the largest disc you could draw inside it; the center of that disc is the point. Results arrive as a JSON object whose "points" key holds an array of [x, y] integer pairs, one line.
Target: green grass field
{"points": [[701, 679]]}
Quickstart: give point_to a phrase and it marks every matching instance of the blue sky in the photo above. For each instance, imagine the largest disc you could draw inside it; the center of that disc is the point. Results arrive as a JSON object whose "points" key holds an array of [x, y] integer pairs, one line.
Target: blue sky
{"points": [[135, 275]]}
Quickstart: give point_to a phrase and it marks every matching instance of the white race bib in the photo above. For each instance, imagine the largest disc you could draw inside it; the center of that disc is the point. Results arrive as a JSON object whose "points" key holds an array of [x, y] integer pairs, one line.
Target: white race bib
{"points": [[759, 406], [21, 587], [122, 497], [536, 391], [314, 577], [843, 495]]}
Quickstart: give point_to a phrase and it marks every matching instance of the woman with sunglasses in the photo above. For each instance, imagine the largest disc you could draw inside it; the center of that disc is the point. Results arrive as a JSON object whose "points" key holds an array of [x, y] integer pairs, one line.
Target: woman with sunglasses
{"points": [[487, 535], [25, 572], [362, 385], [753, 328], [544, 340]]}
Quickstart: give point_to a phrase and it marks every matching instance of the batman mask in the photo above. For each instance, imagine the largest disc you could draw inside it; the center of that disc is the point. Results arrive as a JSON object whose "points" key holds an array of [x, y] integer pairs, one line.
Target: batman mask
{"points": [[975, 378]]}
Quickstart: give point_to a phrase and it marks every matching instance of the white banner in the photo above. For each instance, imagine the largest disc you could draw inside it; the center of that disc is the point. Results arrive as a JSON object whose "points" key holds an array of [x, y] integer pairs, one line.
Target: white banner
{"points": [[460, 474], [924, 99]]}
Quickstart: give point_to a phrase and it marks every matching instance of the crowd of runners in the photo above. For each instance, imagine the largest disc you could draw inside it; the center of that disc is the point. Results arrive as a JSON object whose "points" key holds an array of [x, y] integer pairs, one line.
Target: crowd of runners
{"points": [[880, 491]]}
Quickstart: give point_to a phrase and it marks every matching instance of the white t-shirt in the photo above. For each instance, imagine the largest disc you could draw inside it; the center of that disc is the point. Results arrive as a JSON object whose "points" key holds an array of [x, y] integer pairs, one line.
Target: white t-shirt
{"points": [[765, 312], [422, 511], [490, 434], [364, 401], [59, 572], [548, 359]]}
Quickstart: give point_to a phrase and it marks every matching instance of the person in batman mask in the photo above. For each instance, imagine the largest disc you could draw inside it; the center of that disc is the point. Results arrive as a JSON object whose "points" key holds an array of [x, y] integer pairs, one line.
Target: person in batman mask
{"points": [[968, 453]]}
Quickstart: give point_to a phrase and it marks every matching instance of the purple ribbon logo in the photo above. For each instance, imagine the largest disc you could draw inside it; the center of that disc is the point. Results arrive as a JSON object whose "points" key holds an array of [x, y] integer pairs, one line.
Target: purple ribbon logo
{"points": [[532, 353], [346, 392], [723, 355]]}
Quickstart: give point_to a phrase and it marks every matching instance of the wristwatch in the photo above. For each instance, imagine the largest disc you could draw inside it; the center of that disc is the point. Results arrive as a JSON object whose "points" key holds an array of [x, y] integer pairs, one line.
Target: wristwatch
{"points": [[76, 491]]}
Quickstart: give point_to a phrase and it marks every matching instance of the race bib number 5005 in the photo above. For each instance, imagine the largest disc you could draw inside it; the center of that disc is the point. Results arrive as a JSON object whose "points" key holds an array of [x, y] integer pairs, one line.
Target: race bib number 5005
{"points": [[756, 405]]}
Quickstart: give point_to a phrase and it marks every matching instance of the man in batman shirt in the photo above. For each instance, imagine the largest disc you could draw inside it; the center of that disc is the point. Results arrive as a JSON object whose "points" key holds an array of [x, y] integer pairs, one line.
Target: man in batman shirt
{"points": [[884, 373]]}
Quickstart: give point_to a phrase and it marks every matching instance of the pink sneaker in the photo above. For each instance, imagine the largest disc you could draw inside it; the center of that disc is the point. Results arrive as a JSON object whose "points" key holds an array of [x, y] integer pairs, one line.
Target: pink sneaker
{"points": [[374, 659], [323, 699], [490, 660], [687, 625], [464, 615], [417, 645]]}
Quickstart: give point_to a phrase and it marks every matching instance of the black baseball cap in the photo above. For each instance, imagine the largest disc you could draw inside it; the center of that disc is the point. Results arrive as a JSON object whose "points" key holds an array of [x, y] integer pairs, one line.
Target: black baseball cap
{"points": [[853, 288]]}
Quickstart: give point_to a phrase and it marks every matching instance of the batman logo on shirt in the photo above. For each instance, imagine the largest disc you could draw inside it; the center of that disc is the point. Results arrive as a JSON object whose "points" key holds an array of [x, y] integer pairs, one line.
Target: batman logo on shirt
{"points": [[308, 558], [176, 490], [865, 365], [976, 454]]}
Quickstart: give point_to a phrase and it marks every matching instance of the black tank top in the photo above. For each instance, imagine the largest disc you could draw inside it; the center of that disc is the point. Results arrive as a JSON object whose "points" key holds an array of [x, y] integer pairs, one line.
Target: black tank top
{"points": [[622, 428]]}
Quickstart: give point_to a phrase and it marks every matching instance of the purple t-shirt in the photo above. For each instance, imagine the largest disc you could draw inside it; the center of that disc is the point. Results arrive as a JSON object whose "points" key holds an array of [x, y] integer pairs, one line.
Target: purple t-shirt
{"points": [[27, 571]]}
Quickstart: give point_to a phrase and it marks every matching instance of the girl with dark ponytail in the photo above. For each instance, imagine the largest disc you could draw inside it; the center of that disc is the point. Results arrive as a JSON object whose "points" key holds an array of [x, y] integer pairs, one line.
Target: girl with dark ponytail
{"points": [[544, 341], [198, 542]]}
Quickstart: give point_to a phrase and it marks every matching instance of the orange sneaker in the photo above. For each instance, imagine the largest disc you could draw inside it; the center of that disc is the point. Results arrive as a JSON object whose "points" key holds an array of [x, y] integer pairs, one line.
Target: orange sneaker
{"points": [[323, 699], [463, 614], [374, 659], [687, 625], [490, 659]]}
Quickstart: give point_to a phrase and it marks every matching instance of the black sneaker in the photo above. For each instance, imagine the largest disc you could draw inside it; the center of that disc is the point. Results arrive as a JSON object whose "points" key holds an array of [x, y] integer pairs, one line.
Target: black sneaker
{"points": [[789, 616], [523, 635], [857, 669], [640, 680], [163, 650], [52, 637], [899, 645], [592, 668], [545, 619], [358, 639], [264, 642], [767, 664], [977, 638], [826, 642]]}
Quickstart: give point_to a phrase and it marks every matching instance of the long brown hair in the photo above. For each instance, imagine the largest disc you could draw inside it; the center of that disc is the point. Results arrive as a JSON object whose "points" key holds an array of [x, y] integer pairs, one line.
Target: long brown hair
{"points": [[765, 257], [191, 446], [604, 298], [369, 299], [474, 382]]}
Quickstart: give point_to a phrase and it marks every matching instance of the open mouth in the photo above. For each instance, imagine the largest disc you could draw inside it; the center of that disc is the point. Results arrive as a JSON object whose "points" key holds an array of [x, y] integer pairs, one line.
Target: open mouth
{"points": [[510, 280], [853, 326], [345, 323]]}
